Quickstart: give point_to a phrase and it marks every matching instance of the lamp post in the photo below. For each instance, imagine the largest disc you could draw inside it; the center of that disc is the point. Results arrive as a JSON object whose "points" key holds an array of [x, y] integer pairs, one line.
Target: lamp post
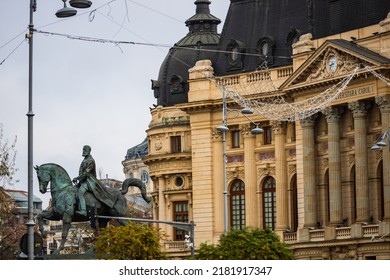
{"points": [[64, 12], [224, 129]]}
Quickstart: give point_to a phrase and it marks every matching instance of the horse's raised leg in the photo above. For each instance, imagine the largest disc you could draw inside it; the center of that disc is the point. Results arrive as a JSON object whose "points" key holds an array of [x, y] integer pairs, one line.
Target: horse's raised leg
{"points": [[46, 214], [66, 223]]}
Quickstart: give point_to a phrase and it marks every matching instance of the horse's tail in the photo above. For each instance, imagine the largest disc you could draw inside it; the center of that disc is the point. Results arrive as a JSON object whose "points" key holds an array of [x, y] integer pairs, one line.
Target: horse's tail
{"points": [[137, 183]]}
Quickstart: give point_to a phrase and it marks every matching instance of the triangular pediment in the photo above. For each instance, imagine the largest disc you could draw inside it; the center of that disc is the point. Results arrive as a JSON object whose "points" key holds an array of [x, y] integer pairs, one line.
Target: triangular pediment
{"points": [[334, 59]]}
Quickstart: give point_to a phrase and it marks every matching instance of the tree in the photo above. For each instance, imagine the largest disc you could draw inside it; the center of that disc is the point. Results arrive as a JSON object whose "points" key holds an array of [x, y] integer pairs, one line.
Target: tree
{"points": [[10, 230], [131, 242], [246, 244], [7, 160]]}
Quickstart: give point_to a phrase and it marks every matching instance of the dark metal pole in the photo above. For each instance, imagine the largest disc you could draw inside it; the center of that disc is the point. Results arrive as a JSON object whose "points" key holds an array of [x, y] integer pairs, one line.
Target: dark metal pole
{"points": [[30, 222]]}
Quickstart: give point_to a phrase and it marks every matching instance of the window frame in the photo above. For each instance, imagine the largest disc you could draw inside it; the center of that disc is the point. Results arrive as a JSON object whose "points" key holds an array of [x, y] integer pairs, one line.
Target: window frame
{"points": [[175, 144], [236, 138], [237, 205], [182, 216], [269, 202]]}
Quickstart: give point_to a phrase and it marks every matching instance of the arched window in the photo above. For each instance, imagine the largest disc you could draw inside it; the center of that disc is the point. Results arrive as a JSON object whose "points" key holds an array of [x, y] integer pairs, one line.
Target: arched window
{"points": [[266, 48], [237, 205], [269, 202], [234, 54]]}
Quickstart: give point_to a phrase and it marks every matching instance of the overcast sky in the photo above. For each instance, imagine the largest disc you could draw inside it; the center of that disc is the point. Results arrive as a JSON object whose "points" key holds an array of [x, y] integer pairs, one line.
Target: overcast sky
{"points": [[86, 92]]}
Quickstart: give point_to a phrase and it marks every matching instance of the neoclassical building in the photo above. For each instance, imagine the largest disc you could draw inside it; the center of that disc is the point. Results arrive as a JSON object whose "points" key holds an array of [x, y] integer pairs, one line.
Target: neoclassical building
{"points": [[318, 84]]}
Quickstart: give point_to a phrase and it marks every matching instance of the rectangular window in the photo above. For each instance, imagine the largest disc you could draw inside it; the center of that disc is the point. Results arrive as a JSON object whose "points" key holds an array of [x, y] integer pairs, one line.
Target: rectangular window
{"points": [[180, 214], [175, 144], [267, 135], [236, 139]]}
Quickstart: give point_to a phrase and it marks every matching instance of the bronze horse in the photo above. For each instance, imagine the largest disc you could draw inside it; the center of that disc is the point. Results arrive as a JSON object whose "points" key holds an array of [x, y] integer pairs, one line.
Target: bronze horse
{"points": [[64, 200]]}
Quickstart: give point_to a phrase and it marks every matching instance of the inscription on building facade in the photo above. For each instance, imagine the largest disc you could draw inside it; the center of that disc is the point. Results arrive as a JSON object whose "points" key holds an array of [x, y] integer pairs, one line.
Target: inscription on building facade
{"points": [[366, 90]]}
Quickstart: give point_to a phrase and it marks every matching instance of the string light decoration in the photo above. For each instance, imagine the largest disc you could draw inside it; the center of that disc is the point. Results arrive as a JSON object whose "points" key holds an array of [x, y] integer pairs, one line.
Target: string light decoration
{"points": [[377, 75], [275, 106]]}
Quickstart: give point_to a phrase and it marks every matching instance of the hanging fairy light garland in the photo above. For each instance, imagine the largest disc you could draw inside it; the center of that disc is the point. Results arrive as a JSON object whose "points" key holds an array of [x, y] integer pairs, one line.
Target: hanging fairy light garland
{"points": [[276, 107], [377, 75]]}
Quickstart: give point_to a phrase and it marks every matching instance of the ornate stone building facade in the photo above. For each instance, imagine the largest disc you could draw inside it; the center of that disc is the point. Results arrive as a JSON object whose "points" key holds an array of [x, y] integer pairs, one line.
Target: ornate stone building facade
{"points": [[313, 179]]}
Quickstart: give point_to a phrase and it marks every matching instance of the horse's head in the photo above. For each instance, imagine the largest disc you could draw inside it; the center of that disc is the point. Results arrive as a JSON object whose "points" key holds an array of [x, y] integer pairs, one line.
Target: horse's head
{"points": [[44, 178]]}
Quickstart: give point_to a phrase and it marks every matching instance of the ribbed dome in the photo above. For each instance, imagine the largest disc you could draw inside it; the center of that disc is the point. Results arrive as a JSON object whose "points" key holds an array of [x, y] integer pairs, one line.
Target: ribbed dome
{"points": [[171, 87]]}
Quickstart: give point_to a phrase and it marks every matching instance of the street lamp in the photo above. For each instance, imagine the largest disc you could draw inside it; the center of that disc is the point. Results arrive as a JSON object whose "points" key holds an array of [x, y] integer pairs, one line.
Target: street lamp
{"points": [[224, 128], [380, 142], [64, 12]]}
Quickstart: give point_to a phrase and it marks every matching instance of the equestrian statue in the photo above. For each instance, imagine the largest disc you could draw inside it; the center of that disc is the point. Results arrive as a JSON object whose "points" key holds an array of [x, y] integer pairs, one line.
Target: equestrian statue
{"points": [[82, 198]]}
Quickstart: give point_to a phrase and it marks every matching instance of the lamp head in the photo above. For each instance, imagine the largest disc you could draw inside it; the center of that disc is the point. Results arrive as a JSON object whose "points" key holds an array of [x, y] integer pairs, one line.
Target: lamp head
{"points": [[257, 130], [82, 4], [381, 143], [66, 11], [375, 148], [222, 128], [246, 111]]}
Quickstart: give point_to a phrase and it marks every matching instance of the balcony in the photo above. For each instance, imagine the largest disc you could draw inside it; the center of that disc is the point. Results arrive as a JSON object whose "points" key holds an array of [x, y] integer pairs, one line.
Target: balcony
{"points": [[340, 233]]}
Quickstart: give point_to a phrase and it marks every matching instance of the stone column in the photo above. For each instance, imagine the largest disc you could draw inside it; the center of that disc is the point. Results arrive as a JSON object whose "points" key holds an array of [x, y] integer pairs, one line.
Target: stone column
{"points": [[279, 131], [334, 162], [251, 205], [359, 111], [309, 172], [162, 209], [155, 200], [384, 105]]}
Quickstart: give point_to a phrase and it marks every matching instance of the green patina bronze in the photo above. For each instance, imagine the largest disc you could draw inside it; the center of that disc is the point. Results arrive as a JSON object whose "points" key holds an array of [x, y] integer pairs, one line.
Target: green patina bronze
{"points": [[78, 202]]}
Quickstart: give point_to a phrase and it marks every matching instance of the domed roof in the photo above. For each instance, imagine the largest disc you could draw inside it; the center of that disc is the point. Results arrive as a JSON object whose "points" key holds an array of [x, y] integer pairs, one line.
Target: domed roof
{"points": [[171, 87], [139, 151]]}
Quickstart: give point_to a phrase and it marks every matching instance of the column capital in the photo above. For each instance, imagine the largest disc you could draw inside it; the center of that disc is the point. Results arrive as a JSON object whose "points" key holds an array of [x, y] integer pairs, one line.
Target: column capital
{"points": [[246, 130], [309, 121], [279, 127], [358, 108], [383, 103], [216, 135], [332, 114]]}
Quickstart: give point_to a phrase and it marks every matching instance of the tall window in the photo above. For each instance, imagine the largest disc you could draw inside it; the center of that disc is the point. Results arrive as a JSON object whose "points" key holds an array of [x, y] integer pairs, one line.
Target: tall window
{"points": [[180, 215], [294, 203], [237, 204], [236, 139], [176, 144], [269, 202], [381, 192], [267, 135]]}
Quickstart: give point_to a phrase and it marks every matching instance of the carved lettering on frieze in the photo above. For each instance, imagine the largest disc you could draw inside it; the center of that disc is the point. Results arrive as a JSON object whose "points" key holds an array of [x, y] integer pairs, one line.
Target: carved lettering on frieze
{"points": [[354, 92]]}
